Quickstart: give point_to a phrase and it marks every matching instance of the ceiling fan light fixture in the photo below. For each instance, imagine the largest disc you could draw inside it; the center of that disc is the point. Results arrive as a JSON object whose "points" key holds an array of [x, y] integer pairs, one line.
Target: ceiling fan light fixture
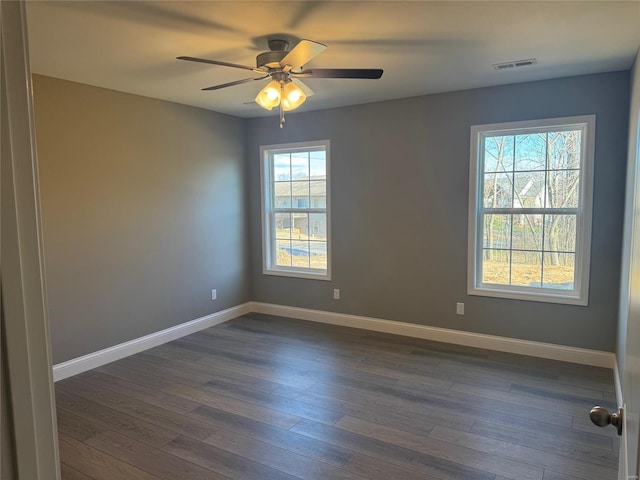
{"points": [[282, 64], [269, 96], [292, 97]]}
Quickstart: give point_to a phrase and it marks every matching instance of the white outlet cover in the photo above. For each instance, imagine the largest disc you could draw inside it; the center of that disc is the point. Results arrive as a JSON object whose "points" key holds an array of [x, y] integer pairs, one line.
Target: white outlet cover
{"points": [[214, 294]]}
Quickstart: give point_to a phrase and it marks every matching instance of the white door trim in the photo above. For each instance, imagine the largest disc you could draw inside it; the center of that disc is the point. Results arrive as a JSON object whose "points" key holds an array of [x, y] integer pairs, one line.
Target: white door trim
{"points": [[23, 291]]}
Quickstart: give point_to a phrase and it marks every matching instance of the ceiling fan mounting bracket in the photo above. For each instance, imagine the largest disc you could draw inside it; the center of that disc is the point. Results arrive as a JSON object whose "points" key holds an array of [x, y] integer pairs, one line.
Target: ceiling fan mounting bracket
{"points": [[278, 45]]}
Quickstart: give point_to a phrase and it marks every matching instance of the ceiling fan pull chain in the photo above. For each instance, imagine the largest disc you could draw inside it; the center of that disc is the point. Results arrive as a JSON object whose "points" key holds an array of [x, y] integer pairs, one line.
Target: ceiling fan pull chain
{"points": [[281, 116]]}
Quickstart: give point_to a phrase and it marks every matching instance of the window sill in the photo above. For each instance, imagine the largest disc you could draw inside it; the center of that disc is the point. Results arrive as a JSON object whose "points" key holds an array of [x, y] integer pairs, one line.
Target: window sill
{"points": [[546, 296], [325, 276]]}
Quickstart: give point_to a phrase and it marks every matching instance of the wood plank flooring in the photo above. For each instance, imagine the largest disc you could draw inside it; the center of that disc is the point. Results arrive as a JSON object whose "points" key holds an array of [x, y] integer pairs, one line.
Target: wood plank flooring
{"points": [[265, 398]]}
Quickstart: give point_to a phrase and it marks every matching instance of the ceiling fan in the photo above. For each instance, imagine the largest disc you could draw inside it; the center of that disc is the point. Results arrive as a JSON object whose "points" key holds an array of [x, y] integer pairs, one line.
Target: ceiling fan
{"points": [[283, 66]]}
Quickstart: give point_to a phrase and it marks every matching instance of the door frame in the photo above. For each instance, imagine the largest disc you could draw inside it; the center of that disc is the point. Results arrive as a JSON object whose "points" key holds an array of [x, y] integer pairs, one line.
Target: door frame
{"points": [[24, 307], [628, 352]]}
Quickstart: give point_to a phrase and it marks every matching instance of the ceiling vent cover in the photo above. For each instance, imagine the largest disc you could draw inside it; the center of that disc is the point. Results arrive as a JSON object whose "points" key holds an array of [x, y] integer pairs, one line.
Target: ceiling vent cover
{"points": [[514, 64]]}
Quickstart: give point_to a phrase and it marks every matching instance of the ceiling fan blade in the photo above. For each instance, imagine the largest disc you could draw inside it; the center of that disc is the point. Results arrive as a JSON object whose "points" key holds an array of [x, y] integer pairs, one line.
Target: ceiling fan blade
{"points": [[304, 51], [224, 64], [304, 87], [237, 82], [363, 73]]}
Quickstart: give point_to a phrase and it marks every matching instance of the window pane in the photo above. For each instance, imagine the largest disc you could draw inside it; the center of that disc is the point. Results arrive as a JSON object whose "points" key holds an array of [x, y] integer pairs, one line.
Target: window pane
{"points": [[498, 154], [526, 269], [563, 188], [318, 251], [560, 233], [564, 149], [318, 191], [528, 190], [299, 165], [318, 165], [498, 190], [527, 232], [318, 202], [281, 167], [300, 254], [300, 226], [282, 194], [317, 226], [496, 266], [283, 252], [283, 225], [497, 231], [530, 152], [559, 270], [299, 194]]}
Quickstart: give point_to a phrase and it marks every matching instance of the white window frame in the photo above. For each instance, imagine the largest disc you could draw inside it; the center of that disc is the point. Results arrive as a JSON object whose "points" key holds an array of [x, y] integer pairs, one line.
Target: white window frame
{"points": [[580, 293], [268, 235]]}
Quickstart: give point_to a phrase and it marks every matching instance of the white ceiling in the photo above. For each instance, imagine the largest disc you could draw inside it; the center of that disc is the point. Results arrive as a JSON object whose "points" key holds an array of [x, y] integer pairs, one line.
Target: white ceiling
{"points": [[423, 47]]}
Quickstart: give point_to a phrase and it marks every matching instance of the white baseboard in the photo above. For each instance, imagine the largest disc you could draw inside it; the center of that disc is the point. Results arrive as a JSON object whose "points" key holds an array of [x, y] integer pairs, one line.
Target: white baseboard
{"points": [[552, 351], [111, 354]]}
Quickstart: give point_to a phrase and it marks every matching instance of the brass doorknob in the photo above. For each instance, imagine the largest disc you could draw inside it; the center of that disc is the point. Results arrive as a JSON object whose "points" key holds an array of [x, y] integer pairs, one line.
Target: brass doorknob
{"points": [[601, 417]]}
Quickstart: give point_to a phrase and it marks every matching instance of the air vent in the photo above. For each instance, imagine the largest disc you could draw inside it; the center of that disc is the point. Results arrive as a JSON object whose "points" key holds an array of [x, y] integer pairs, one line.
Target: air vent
{"points": [[514, 64]]}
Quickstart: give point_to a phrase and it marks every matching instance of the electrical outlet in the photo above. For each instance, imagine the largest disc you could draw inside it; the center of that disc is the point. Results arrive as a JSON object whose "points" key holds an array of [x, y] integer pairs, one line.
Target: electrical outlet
{"points": [[336, 294], [214, 294], [459, 308]]}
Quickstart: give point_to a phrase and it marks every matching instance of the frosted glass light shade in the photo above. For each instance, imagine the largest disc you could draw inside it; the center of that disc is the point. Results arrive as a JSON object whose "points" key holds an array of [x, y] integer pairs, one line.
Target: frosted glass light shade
{"points": [[292, 97], [269, 96]]}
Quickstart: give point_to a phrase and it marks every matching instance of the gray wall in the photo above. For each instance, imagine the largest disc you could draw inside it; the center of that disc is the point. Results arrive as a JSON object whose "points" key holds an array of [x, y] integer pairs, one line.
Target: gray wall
{"points": [[629, 317], [400, 208], [143, 213]]}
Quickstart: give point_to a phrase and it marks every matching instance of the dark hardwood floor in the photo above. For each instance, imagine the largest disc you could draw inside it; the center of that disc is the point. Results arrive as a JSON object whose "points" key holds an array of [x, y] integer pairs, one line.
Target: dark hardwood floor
{"points": [[272, 398]]}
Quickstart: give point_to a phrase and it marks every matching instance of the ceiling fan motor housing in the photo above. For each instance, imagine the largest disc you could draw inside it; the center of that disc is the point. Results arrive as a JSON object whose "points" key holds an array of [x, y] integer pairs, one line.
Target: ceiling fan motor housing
{"points": [[270, 59], [278, 50]]}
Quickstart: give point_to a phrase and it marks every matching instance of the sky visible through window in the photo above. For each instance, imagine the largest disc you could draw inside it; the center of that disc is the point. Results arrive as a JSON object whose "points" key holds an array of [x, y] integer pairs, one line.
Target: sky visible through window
{"points": [[530, 190], [299, 165]]}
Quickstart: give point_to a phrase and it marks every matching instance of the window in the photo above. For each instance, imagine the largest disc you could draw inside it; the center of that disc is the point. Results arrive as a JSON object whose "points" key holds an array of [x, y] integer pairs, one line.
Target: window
{"points": [[530, 209], [295, 210]]}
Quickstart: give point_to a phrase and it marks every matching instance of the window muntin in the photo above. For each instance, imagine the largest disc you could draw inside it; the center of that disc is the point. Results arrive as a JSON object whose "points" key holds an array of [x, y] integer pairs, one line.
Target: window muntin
{"points": [[295, 203], [530, 209]]}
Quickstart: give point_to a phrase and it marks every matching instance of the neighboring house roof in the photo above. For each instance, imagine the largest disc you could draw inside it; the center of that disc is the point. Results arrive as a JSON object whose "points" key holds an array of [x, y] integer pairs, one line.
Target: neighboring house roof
{"points": [[302, 187], [530, 191], [527, 190]]}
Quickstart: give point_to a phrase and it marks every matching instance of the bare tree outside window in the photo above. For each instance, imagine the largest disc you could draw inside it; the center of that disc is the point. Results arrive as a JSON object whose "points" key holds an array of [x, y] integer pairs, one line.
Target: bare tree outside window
{"points": [[527, 173], [529, 207]]}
